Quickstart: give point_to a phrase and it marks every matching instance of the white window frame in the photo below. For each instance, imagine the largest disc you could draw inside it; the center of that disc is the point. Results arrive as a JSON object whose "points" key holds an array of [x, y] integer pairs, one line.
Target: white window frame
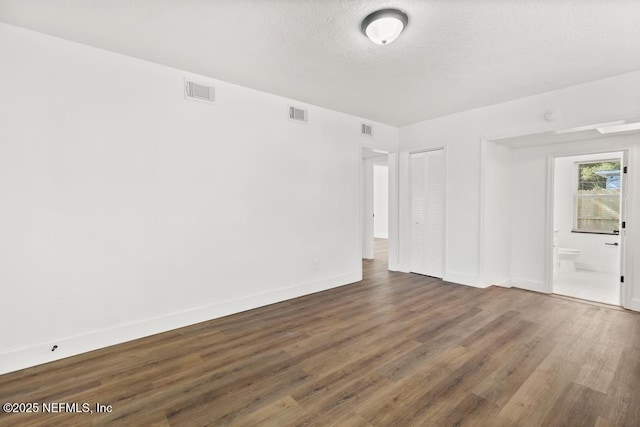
{"points": [[576, 187]]}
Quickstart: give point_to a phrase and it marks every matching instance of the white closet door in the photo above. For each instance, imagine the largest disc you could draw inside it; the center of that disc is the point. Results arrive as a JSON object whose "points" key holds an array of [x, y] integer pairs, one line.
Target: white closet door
{"points": [[418, 211], [427, 209], [435, 207]]}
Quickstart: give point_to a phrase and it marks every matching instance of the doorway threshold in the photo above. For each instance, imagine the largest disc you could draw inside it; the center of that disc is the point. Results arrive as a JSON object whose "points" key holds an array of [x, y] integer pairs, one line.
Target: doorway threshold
{"points": [[589, 302]]}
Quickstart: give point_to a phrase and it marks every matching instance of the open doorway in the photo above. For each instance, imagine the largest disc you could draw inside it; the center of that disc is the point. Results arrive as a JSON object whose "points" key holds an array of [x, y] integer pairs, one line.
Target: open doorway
{"points": [[380, 209], [587, 204], [375, 204]]}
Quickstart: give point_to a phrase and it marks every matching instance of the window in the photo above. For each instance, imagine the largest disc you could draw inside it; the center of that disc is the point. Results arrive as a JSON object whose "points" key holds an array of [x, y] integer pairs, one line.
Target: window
{"points": [[597, 203]]}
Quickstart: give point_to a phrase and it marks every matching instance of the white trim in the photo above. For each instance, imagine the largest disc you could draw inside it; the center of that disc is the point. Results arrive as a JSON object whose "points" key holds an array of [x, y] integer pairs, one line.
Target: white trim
{"points": [[71, 346], [463, 279], [529, 285], [506, 283]]}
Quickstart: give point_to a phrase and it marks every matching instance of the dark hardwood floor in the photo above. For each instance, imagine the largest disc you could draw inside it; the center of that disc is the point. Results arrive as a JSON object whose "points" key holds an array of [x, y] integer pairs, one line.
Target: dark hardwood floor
{"points": [[393, 350]]}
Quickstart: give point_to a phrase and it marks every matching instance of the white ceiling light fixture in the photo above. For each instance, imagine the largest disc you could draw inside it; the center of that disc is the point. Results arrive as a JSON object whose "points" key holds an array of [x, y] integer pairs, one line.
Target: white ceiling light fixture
{"points": [[384, 26]]}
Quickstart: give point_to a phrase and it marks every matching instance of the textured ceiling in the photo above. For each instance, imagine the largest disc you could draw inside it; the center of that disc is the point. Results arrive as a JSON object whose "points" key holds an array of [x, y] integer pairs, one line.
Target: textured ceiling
{"points": [[454, 55]]}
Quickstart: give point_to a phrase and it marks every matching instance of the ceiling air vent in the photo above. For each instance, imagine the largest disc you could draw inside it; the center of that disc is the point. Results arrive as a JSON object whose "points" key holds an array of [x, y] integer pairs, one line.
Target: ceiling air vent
{"points": [[366, 130], [194, 91], [298, 114]]}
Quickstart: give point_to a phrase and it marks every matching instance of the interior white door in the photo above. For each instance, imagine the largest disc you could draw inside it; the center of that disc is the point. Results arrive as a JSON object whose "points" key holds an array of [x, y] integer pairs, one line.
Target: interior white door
{"points": [[625, 291], [427, 212], [418, 170]]}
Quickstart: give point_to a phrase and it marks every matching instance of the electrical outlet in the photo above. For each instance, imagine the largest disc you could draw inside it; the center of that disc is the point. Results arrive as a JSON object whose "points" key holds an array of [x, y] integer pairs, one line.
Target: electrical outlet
{"points": [[316, 264]]}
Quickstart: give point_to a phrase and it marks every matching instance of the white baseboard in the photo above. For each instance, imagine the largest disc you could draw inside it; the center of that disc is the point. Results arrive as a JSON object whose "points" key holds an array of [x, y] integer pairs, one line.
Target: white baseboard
{"points": [[634, 305], [529, 285], [39, 354], [506, 283], [402, 268], [462, 279]]}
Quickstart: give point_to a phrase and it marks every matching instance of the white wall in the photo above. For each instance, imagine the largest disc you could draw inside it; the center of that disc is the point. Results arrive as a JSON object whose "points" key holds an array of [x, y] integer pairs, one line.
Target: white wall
{"points": [[594, 254], [381, 200], [496, 252], [129, 211], [462, 134]]}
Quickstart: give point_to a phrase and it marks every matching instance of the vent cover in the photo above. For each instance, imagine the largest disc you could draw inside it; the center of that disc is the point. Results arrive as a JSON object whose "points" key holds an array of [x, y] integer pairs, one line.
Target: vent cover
{"points": [[366, 130], [298, 114], [195, 91]]}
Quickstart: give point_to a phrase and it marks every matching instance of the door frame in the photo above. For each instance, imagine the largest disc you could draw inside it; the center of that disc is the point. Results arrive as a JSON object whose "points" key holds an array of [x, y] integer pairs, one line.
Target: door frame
{"points": [[366, 214], [367, 206], [625, 295]]}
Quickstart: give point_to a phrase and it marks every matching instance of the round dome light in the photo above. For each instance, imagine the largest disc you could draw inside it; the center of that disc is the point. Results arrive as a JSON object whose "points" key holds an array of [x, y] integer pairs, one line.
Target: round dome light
{"points": [[384, 26]]}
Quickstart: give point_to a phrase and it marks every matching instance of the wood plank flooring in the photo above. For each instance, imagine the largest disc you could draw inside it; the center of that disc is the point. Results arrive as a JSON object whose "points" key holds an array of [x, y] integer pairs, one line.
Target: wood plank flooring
{"points": [[393, 350]]}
